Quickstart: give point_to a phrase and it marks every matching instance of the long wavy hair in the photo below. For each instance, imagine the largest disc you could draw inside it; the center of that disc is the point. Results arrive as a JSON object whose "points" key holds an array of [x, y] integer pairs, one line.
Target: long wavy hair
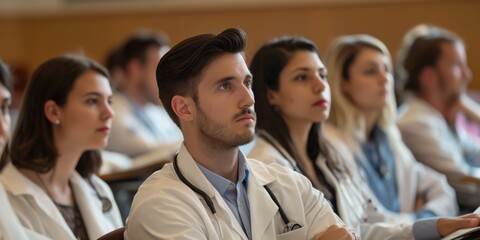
{"points": [[344, 114]]}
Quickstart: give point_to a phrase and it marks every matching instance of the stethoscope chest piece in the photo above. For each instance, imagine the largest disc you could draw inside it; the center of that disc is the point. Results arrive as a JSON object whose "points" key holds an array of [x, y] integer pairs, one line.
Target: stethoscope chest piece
{"points": [[106, 204]]}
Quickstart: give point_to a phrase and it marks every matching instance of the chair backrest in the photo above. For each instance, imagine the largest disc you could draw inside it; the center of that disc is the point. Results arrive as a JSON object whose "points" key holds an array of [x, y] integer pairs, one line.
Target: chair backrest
{"points": [[116, 234]]}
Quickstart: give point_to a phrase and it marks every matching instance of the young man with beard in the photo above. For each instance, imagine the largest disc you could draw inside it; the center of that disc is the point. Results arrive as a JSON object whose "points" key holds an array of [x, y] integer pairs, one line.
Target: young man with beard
{"points": [[434, 70], [211, 191]]}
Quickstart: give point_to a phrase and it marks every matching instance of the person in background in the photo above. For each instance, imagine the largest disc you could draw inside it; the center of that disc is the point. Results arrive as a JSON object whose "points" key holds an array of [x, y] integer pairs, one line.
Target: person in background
{"points": [[114, 161], [53, 156], [211, 191], [292, 101], [142, 124], [363, 118], [113, 63], [434, 73]]}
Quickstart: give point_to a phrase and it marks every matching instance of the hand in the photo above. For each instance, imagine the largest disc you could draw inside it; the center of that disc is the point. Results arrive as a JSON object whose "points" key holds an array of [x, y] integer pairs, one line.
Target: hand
{"points": [[335, 232], [446, 226]]}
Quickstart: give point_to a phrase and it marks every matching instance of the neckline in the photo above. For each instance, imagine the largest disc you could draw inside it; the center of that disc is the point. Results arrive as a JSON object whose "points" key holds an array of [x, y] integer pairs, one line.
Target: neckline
{"points": [[50, 195]]}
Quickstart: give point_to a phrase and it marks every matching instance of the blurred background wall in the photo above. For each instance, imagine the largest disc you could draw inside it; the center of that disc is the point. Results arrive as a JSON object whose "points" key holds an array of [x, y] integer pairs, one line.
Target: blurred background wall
{"points": [[32, 31]]}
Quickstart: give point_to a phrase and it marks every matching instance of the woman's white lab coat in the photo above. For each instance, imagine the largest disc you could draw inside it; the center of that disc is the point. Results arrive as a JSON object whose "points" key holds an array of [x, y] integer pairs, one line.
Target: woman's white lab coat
{"points": [[10, 226], [37, 212], [356, 206], [166, 208]]}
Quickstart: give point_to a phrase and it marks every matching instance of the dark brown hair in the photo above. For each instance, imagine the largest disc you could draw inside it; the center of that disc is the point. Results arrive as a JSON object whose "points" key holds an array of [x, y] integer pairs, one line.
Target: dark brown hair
{"points": [[136, 47], [32, 146], [178, 70], [266, 66]]}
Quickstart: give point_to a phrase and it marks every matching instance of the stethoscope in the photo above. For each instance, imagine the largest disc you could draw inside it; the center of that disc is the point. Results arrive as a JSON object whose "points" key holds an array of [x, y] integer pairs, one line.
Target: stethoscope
{"points": [[106, 203], [289, 226]]}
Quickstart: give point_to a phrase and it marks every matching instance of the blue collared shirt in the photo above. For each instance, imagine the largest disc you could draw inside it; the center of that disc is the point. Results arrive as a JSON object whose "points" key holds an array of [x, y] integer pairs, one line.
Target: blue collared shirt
{"points": [[234, 194], [381, 173], [380, 169]]}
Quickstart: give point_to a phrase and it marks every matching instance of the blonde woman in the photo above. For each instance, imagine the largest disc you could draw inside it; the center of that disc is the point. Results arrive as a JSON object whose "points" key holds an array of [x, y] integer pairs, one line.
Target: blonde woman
{"points": [[363, 118]]}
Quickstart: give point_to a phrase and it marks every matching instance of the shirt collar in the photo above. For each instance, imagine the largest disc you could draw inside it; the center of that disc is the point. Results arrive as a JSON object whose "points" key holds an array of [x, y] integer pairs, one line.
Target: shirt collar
{"points": [[220, 183], [378, 136]]}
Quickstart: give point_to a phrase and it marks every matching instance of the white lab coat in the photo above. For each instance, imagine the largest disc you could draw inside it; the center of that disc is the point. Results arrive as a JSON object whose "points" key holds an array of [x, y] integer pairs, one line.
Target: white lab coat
{"points": [[37, 212], [166, 208], [10, 226], [413, 179], [129, 135], [353, 206], [440, 148], [427, 134]]}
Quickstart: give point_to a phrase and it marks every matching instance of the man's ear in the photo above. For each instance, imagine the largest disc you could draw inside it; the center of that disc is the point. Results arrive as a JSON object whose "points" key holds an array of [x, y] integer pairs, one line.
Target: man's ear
{"points": [[183, 108], [52, 112], [428, 78], [134, 70]]}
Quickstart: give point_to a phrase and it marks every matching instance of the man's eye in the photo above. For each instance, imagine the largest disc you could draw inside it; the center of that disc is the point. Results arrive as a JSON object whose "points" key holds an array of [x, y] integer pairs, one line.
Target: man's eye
{"points": [[225, 86]]}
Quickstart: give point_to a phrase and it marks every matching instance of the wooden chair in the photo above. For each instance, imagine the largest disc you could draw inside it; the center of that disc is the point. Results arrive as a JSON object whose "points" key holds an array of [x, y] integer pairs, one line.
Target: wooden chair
{"points": [[116, 234], [136, 173]]}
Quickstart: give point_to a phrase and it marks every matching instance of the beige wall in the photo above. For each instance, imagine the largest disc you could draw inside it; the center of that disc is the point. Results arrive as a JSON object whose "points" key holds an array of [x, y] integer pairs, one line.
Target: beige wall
{"points": [[31, 39]]}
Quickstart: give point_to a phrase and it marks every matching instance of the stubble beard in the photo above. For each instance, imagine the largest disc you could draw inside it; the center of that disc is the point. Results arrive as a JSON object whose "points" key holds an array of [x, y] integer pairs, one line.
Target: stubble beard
{"points": [[217, 136]]}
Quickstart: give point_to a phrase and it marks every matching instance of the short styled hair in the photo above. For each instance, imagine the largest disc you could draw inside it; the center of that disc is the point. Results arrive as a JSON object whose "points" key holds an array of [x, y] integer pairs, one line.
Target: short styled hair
{"points": [[178, 70], [422, 47], [32, 145], [137, 45]]}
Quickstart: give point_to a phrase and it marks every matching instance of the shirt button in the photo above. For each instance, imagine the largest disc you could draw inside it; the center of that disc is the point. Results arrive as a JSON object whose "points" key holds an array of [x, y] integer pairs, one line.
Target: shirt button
{"points": [[231, 187]]}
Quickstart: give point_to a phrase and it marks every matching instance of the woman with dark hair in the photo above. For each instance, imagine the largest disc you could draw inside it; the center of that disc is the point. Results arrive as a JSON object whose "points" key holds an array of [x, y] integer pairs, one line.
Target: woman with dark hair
{"points": [[292, 100], [50, 179]]}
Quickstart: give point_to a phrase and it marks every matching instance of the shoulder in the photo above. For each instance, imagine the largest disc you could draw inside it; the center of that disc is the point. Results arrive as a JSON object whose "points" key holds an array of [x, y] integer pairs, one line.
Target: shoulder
{"points": [[164, 184], [416, 111], [267, 173], [263, 151], [163, 193]]}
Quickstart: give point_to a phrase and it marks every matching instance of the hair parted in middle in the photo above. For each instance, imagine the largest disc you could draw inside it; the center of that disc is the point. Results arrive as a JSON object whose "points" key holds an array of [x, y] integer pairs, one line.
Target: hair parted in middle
{"points": [[266, 66]]}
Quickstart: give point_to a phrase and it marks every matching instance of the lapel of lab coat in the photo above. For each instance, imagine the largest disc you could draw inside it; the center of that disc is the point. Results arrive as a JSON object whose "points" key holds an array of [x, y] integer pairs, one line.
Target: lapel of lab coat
{"points": [[194, 175], [262, 207], [90, 207], [20, 186]]}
